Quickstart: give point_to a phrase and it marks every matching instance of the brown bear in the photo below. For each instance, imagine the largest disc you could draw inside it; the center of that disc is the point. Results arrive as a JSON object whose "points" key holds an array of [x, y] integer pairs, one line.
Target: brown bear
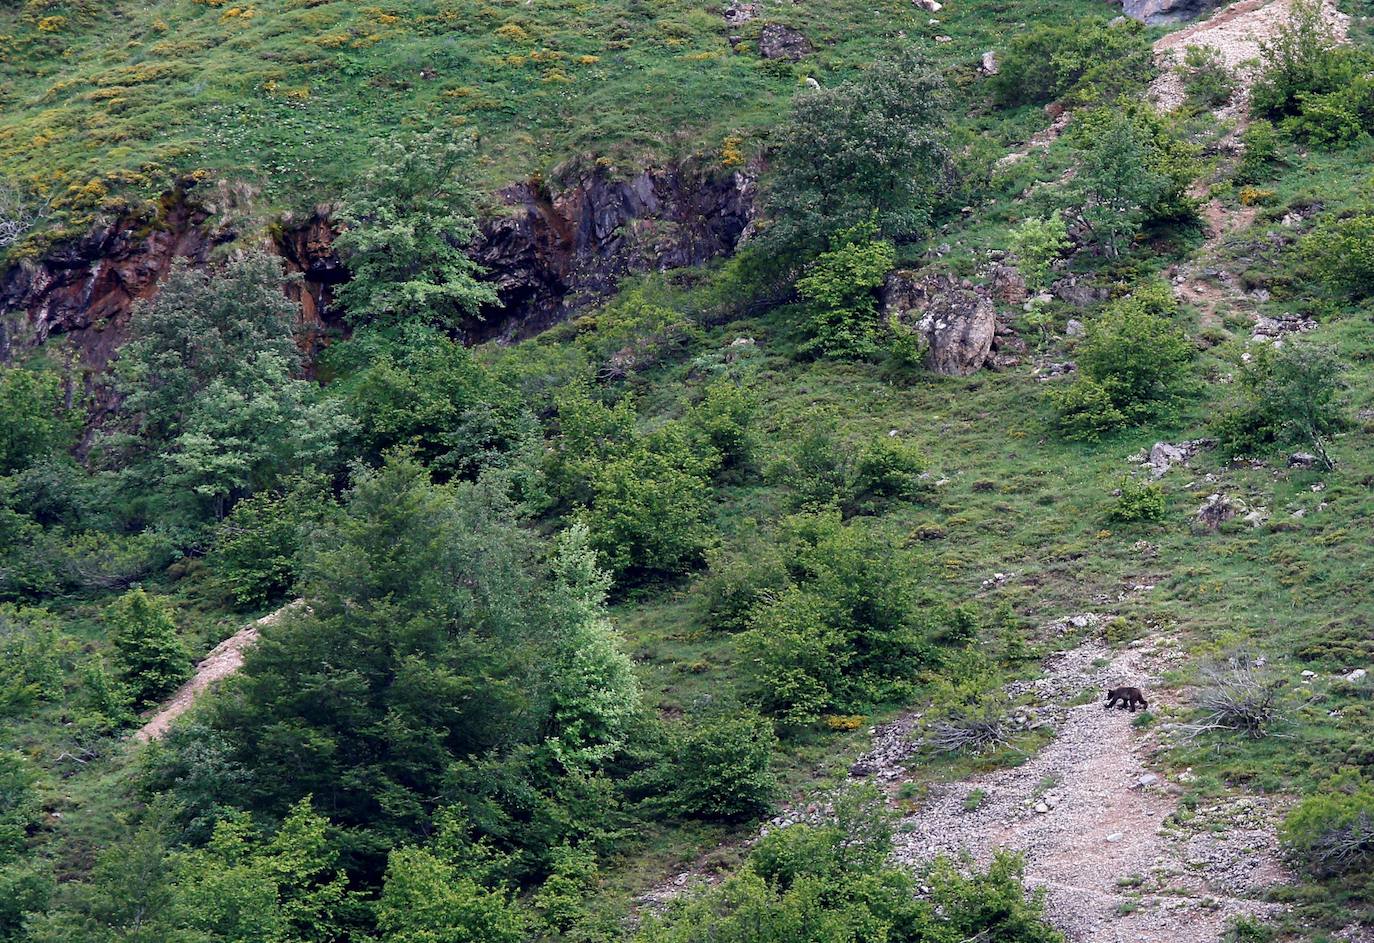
{"points": [[1128, 698]]}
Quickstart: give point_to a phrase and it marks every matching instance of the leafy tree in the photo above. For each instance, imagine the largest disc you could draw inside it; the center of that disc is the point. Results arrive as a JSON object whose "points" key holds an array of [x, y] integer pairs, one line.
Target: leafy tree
{"points": [[240, 888], [1302, 58], [869, 149], [254, 557], [1133, 170], [35, 422], [1037, 243], [1079, 62], [594, 694], [1341, 254], [435, 398], [148, 651], [840, 289], [211, 412], [424, 900], [1288, 396], [405, 231]]}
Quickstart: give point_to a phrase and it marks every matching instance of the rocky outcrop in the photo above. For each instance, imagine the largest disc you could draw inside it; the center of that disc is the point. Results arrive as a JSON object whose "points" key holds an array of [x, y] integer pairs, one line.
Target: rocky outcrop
{"points": [[558, 247], [957, 320], [553, 248], [782, 42], [1157, 12]]}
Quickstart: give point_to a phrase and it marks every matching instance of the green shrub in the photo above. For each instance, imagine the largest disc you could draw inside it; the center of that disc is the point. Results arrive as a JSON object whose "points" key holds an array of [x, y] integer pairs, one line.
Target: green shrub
{"points": [[851, 628], [1304, 57], [1331, 834], [1286, 396], [840, 290], [1084, 410], [738, 578], [1037, 243], [822, 469], [649, 516], [1336, 119], [31, 652], [1259, 152], [725, 418], [633, 333], [254, 558], [723, 767], [1206, 80], [437, 399], [148, 651], [1139, 502], [103, 561], [1133, 170], [1080, 62], [888, 466], [1132, 364], [1340, 254]]}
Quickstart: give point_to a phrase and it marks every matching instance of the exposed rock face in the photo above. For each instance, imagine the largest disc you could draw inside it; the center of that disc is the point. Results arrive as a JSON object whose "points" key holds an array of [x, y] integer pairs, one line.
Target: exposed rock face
{"points": [[559, 249], [782, 42], [1155, 12], [957, 321], [551, 252], [83, 290]]}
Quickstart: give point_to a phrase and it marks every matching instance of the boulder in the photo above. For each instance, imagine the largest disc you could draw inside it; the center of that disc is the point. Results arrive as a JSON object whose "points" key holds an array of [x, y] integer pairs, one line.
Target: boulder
{"points": [[1006, 284], [1155, 12], [959, 326], [1217, 510], [988, 64], [1302, 460], [782, 42], [737, 12]]}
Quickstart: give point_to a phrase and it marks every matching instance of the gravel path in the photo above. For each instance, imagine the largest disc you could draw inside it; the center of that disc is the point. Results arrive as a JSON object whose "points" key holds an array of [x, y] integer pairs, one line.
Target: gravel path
{"points": [[1095, 823], [224, 659]]}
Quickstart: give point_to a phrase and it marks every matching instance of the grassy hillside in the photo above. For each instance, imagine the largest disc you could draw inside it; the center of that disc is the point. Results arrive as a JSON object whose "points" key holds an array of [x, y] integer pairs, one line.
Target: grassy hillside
{"points": [[743, 477], [100, 101]]}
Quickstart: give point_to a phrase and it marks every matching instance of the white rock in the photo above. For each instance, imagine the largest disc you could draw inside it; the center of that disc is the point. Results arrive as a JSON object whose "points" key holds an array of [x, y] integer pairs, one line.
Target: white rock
{"points": [[1041, 808], [1115, 837]]}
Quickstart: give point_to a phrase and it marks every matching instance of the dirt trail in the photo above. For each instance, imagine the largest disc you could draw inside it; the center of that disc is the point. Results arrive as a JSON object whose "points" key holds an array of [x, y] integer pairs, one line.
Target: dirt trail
{"points": [[224, 659], [1098, 827], [1095, 822], [1236, 33]]}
